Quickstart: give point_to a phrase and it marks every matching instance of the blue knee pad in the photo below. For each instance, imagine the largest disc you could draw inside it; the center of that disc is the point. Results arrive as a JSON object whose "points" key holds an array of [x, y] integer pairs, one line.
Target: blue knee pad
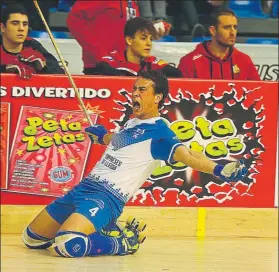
{"points": [[71, 244], [35, 241]]}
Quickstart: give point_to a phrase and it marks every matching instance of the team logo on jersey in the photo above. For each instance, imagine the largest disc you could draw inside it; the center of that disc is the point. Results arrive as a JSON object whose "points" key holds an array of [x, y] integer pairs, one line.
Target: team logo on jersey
{"points": [[138, 133], [162, 62], [197, 57], [107, 57], [236, 69]]}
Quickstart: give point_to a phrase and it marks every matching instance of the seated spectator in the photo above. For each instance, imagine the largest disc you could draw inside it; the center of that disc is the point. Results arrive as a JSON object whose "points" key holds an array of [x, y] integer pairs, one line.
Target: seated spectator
{"points": [[19, 54], [218, 58], [139, 34], [98, 27]]}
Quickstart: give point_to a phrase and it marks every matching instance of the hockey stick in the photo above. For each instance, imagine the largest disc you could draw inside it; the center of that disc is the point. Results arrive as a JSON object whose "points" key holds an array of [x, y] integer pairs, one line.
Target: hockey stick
{"points": [[63, 62]]}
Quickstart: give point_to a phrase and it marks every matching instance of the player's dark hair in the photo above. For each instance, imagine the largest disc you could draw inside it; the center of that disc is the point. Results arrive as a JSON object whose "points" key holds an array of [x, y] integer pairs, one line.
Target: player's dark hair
{"points": [[161, 84], [11, 8], [139, 24], [214, 17]]}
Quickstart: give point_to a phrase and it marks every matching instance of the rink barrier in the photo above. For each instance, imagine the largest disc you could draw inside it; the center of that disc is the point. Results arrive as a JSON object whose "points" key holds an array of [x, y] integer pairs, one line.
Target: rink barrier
{"points": [[228, 120]]}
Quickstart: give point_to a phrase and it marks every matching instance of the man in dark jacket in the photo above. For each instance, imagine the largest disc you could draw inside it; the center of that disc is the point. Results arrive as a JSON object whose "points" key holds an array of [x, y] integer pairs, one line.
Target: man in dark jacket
{"points": [[19, 54], [218, 58], [139, 33]]}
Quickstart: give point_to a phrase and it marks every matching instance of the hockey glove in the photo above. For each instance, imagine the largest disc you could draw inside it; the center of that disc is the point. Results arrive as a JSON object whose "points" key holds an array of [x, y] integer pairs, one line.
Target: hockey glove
{"points": [[233, 171], [23, 72], [96, 134], [38, 63]]}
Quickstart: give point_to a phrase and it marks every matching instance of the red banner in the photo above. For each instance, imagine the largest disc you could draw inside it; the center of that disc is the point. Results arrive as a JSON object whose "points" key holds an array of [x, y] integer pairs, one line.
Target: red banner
{"points": [[4, 142], [49, 151]]}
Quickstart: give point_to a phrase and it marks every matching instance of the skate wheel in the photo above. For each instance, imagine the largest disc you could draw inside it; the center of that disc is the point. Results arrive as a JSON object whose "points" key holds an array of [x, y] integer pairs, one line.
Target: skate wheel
{"points": [[130, 221], [141, 226], [141, 238]]}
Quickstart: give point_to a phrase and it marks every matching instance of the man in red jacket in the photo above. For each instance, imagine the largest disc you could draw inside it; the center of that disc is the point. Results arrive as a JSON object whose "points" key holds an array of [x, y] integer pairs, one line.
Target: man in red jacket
{"points": [[139, 33], [19, 54], [218, 58], [98, 26]]}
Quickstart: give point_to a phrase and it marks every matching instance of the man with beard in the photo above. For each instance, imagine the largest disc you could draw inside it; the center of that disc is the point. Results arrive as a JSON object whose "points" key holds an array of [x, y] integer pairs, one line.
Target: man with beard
{"points": [[218, 58]]}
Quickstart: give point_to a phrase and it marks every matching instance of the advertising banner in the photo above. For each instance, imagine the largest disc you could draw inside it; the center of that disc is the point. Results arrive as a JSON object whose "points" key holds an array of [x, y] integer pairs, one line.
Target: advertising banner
{"points": [[50, 152], [49, 149], [4, 142]]}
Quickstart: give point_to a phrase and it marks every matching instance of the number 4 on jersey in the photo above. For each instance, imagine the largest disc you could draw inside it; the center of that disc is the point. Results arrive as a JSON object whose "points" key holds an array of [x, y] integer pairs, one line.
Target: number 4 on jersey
{"points": [[93, 211]]}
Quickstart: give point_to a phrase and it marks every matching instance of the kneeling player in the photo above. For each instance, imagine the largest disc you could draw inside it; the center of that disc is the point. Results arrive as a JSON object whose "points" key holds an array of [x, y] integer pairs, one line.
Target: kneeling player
{"points": [[81, 222]]}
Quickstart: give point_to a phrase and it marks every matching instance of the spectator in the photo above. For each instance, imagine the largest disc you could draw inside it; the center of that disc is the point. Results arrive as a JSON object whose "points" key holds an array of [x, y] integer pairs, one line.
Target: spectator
{"points": [[153, 9], [35, 21], [98, 27], [218, 58], [185, 11], [19, 54], [139, 33]]}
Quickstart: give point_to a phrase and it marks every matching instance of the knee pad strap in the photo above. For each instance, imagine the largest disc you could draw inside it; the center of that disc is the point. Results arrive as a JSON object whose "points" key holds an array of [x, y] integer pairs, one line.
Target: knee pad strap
{"points": [[71, 244], [35, 241]]}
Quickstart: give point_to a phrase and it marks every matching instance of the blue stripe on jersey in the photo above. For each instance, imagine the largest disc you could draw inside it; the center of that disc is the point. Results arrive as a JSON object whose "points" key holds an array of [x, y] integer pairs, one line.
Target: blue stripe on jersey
{"points": [[142, 132], [163, 139], [164, 147]]}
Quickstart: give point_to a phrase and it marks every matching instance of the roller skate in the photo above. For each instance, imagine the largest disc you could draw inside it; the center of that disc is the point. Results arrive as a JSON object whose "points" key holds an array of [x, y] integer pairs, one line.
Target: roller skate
{"points": [[133, 234], [137, 227]]}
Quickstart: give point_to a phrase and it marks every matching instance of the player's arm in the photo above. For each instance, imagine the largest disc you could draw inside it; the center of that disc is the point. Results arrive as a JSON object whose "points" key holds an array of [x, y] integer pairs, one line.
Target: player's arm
{"points": [[99, 135], [107, 138], [194, 159], [232, 171]]}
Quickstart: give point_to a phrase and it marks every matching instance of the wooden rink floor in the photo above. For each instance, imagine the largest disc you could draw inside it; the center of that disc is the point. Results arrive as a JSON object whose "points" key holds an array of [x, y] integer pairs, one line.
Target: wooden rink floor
{"points": [[178, 240], [156, 254]]}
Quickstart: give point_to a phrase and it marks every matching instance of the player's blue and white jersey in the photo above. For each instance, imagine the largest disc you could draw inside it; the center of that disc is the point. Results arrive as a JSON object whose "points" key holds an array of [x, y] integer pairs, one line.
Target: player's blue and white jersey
{"points": [[133, 154]]}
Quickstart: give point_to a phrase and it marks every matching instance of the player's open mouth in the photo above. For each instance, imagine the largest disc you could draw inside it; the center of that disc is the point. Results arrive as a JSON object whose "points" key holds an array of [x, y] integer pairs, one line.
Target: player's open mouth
{"points": [[136, 105]]}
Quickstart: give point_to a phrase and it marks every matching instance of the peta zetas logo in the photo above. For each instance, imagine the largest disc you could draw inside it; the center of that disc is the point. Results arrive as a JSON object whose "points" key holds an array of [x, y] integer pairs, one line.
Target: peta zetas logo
{"points": [[61, 174], [217, 140]]}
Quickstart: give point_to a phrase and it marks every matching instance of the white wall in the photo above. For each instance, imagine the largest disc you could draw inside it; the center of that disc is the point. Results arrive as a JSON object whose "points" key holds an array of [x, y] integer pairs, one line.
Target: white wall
{"points": [[266, 56]]}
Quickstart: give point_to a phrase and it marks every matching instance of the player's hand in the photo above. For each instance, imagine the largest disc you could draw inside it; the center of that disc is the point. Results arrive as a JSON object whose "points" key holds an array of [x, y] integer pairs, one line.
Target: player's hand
{"points": [[21, 71], [96, 134], [163, 29], [233, 171], [36, 62]]}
